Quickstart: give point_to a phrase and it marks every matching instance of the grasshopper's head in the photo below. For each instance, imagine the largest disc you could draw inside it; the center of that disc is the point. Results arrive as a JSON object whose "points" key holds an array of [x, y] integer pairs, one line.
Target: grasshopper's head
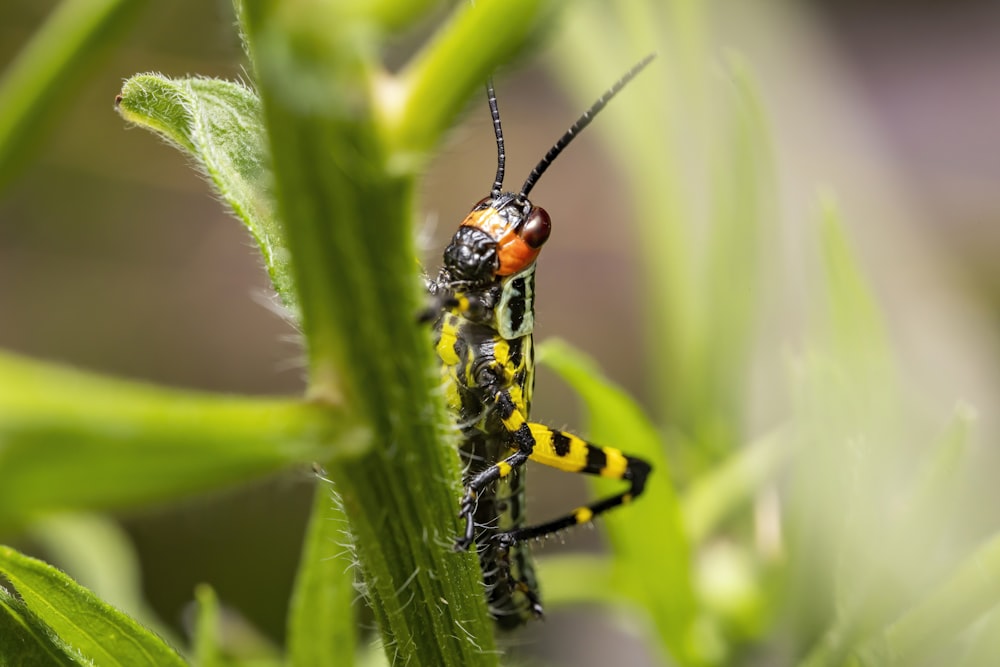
{"points": [[504, 232], [501, 236]]}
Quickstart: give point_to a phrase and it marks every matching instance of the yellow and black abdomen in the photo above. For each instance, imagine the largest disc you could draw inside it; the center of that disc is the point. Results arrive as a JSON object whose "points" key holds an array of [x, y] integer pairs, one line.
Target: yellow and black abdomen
{"points": [[468, 351], [484, 342]]}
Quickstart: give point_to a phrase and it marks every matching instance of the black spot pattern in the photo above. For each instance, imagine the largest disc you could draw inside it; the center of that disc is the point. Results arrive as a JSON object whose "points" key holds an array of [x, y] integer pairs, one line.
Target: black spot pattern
{"points": [[560, 443], [514, 352], [517, 305], [596, 459]]}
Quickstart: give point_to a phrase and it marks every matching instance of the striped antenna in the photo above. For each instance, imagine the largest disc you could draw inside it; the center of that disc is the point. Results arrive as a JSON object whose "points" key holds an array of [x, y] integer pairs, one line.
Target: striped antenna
{"points": [[582, 122], [501, 157]]}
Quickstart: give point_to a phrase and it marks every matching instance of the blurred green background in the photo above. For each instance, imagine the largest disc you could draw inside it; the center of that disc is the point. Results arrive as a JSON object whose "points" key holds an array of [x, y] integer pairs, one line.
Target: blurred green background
{"points": [[115, 257]]}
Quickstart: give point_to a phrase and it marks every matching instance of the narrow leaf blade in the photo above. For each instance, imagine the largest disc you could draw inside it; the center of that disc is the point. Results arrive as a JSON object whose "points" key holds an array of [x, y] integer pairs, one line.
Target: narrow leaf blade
{"points": [[321, 624], [971, 591], [24, 640], [97, 552], [206, 636], [653, 558], [88, 624]]}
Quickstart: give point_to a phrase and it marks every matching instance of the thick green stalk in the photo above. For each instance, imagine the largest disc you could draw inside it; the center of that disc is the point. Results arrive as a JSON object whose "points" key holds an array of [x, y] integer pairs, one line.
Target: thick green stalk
{"points": [[347, 221]]}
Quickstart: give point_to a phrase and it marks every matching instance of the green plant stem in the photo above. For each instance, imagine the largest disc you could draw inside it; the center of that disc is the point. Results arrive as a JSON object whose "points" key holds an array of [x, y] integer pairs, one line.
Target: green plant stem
{"points": [[347, 221], [71, 41]]}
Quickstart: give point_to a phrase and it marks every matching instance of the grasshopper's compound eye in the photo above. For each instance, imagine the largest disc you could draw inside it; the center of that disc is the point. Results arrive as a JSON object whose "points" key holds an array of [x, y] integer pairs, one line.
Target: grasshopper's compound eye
{"points": [[520, 239], [536, 228]]}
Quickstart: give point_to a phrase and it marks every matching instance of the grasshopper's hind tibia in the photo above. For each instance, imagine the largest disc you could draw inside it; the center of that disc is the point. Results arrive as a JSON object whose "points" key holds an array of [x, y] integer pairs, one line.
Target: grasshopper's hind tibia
{"points": [[563, 451]]}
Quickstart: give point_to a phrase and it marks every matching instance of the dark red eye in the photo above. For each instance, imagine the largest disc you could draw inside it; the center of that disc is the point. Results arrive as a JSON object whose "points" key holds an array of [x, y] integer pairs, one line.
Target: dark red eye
{"points": [[536, 228], [483, 203]]}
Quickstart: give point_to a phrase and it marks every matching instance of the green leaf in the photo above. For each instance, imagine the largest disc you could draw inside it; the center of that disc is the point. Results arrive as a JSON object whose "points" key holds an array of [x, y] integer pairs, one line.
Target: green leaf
{"points": [[223, 638], [846, 527], [729, 293], [648, 536], [852, 327], [218, 123], [87, 624], [702, 248], [984, 643], [970, 592], [940, 475], [98, 553], [321, 629], [900, 623], [73, 440], [729, 488], [206, 632], [35, 87], [24, 640]]}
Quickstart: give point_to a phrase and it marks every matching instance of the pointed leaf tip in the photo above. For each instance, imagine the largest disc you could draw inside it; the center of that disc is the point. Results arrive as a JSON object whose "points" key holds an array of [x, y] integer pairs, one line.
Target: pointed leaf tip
{"points": [[219, 124]]}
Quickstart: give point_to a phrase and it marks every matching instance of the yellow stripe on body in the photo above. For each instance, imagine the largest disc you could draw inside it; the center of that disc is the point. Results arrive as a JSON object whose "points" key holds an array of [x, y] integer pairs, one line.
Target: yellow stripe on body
{"points": [[451, 393], [501, 351], [583, 514], [517, 398], [446, 345], [470, 366]]}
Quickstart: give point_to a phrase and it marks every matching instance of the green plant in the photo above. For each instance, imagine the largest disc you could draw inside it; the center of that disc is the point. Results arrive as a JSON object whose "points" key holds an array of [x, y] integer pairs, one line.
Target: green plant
{"points": [[321, 162]]}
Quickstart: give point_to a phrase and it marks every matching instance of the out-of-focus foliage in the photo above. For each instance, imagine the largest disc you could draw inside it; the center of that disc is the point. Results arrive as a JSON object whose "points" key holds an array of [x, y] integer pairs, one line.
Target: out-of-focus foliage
{"points": [[832, 536]]}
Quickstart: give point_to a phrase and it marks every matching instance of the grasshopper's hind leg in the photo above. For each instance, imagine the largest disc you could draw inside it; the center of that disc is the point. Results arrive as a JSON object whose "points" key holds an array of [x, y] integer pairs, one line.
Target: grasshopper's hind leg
{"points": [[566, 451]]}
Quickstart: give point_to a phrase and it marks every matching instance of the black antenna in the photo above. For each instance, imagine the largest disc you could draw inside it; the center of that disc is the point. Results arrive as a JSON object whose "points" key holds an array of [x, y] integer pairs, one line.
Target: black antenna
{"points": [[501, 157], [582, 122]]}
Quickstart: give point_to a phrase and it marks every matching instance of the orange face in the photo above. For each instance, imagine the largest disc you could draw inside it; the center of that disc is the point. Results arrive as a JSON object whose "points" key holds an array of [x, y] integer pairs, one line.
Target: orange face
{"points": [[519, 239]]}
